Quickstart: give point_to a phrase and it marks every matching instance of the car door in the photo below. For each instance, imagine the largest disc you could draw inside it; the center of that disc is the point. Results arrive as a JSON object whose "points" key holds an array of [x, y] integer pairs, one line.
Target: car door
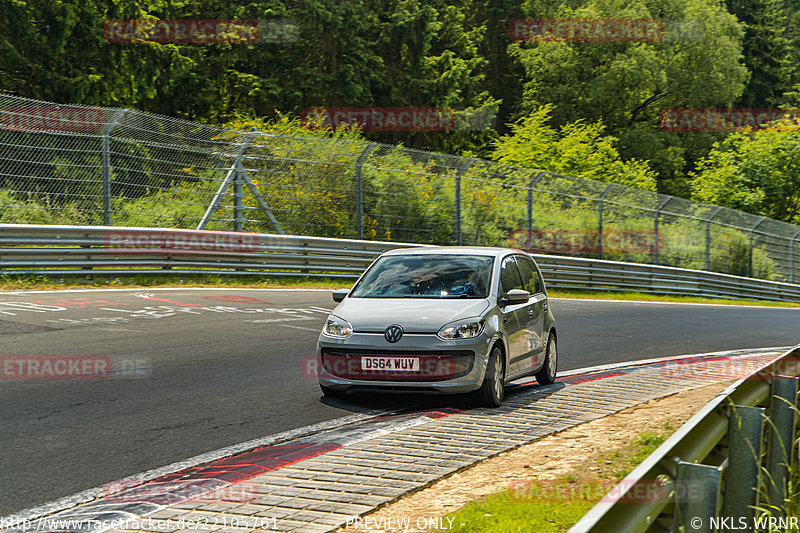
{"points": [[532, 317], [512, 315]]}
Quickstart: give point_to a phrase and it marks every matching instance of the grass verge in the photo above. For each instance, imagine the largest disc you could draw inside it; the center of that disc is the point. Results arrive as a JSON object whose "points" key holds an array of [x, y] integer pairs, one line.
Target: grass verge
{"points": [[556, 505], [39, 282]]}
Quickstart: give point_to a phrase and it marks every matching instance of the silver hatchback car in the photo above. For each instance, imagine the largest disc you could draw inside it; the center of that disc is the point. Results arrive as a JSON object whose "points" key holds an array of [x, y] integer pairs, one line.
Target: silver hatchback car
{"points": [[440, 320]]}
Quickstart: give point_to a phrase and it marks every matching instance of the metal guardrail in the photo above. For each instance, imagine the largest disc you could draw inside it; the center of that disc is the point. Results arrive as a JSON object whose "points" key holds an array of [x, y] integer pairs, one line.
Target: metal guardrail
{"points": [[86, 250], [578, 273], [64, 250], [732, 460]]}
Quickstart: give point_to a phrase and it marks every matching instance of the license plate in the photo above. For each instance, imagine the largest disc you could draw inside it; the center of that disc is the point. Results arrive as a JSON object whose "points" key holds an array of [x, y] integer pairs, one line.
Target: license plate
{"points": [[390, 364]]}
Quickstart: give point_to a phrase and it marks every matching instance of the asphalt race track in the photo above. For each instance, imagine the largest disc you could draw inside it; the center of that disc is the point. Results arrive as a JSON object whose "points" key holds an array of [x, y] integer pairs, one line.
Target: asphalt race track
{"points": [[197, 370]]}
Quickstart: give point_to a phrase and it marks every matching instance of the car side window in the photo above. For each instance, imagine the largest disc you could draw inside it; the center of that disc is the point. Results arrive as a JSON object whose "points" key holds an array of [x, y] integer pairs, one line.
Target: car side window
{"points": [[539, 278], [509, 276], [530, 277]]}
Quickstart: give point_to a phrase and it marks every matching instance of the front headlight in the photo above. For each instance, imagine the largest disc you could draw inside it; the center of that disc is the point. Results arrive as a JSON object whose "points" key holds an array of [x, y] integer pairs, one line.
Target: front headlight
{"points": [[463, 329], [337, 328]]}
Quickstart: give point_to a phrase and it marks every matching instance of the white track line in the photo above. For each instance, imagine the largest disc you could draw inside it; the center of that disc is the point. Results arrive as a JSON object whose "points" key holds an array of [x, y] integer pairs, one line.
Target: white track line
{"points": [[656, 360]]}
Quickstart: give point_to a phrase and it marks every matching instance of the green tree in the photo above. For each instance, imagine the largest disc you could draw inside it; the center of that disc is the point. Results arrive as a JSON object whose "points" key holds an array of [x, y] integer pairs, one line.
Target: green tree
{"points": [[792, 63], [697, 63], [576, 149], [765, 49], [756, 172]]}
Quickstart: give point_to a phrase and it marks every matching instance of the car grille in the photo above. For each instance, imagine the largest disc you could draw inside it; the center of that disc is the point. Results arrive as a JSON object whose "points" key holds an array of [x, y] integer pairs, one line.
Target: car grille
{"points": [[433, 366]]}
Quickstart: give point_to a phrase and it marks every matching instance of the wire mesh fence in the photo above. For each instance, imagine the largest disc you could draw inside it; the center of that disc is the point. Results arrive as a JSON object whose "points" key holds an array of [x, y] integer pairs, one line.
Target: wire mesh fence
{"points": [[65, 164]]}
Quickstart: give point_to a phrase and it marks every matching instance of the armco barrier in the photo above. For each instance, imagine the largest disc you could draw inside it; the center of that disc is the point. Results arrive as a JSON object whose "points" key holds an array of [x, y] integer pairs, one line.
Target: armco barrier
{"points": [[82, 250], [727, 468], [578, 273]]}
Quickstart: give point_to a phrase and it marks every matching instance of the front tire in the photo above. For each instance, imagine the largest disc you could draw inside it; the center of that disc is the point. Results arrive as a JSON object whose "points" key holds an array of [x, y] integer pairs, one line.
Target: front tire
{"points": [[547, 374], [492, 390]]}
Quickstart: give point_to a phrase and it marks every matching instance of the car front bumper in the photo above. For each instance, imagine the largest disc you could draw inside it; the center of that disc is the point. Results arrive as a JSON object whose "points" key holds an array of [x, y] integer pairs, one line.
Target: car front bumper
{"points": [[453, 366]]}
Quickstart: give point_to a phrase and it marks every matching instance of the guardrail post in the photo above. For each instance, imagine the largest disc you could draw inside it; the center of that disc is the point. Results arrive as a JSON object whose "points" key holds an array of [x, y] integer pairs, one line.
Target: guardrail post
{"points": [[600, 218], [745, 448], [697, 490], [656, 240], [750, 254], [708, 236], [458, 197], [105, 156], [360, 189], [780, 439], [791, 256]]}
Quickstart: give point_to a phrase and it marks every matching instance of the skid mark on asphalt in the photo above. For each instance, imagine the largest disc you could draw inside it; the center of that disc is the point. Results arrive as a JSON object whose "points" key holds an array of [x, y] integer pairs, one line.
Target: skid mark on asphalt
{"points": [[316, 330], [236, 299], [273, 320]]}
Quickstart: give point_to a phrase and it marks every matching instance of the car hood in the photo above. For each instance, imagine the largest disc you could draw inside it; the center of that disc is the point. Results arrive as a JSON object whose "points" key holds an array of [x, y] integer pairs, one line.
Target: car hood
{"points": [[415, 315]]}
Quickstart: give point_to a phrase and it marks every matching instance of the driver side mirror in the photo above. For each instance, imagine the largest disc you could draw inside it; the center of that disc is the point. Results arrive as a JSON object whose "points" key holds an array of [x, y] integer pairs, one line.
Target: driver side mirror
{"points": [[516, 296], [339, 294]]}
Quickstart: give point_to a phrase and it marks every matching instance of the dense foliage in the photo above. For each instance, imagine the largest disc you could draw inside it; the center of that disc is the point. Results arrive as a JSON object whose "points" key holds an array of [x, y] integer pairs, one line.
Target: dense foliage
{"points": [[603, 99], [757, 172]]}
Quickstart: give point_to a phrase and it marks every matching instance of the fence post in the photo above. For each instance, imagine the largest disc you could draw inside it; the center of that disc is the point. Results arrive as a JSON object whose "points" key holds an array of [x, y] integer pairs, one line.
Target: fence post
{"points": [[460, 173], [531, 183], [697, 489], [105, 156], [238, 197], [791, 256], [656, 241], [259, 199], [708, 237], [750, 253], [745, 445], [780, 442], [360, 190], [600, 218], [231, 177]]}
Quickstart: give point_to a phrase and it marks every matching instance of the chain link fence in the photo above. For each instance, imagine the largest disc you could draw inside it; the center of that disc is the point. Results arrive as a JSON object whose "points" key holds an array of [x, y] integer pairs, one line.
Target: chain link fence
{"points": [[64, 164]]}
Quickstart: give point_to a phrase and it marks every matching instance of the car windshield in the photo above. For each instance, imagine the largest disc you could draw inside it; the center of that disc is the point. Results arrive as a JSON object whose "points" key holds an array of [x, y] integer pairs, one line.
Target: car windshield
{"points": [[427, 276]]}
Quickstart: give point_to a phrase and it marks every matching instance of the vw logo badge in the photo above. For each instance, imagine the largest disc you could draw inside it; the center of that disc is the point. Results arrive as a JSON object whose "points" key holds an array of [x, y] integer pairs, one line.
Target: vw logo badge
{"points": [[393, 333]]}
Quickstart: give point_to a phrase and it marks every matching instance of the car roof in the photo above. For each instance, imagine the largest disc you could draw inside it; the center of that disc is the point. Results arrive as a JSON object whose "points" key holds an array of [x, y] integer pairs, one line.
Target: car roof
{"points": [[454, 250]]}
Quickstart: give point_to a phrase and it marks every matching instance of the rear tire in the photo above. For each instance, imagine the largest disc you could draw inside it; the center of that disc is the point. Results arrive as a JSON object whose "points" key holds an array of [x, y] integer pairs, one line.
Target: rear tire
{"points": [[492, 390], [332, 393], [547, 374]]}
